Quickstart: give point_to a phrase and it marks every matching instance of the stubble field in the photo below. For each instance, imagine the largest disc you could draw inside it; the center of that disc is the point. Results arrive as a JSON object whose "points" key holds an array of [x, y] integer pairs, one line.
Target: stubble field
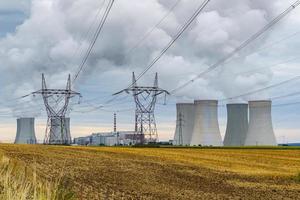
{"points": [[164, 173]]}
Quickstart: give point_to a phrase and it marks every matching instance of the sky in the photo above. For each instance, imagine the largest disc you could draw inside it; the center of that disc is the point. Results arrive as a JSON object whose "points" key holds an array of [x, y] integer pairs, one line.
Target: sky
{"points": [[51, 37]]}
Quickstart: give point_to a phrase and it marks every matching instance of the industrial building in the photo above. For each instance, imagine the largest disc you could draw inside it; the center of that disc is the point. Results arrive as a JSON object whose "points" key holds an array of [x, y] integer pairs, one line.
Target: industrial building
{"points": [[123, 138], [82, 140], [260, 131], [25, 131], [184, 123], [206, 130], [60, 133], [237, 125]]}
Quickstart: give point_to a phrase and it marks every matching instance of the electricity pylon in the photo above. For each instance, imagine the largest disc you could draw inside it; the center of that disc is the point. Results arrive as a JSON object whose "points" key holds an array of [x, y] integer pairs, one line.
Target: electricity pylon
{"points": [[56, 102], [180, 123], [145, 99]]}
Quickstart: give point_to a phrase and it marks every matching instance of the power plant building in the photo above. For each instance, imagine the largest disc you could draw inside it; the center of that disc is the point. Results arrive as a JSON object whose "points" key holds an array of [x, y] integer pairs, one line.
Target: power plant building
{"points": [[237, 125], [184, 123], [25, 131], [260, 131], [107, 139], [206, 130], [82, 140], [123, 138]]}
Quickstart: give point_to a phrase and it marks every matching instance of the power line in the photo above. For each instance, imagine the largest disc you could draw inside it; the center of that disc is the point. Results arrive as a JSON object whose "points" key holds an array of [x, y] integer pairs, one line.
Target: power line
{"points": [[105, 110], [146, 35], [286, 104], [173, 40], [242, 46], [260, 49], [267, 67], [100, 107], [286, 95], [97, 33], [86, 34], [119, 102], [93, 42], [263, 89], [278, 41], [183, 28], [267, 46]]}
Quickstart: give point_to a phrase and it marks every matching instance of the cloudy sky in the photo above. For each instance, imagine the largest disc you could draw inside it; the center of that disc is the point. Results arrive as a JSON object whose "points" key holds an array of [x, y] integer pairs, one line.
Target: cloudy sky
{"points": [[51, 36]]}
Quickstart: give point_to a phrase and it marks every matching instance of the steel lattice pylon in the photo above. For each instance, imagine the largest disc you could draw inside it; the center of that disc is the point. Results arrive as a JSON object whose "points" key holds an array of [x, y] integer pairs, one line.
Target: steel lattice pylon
{"points": [[56, 102], [145, 100]]}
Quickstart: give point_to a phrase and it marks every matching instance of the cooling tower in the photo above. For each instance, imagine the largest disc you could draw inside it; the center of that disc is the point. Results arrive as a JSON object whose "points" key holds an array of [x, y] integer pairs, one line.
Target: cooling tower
{"points": [[184, 123], [237, 124], [206, 130], [260, 131], [60, 131], [67, 124], [25, 131]]}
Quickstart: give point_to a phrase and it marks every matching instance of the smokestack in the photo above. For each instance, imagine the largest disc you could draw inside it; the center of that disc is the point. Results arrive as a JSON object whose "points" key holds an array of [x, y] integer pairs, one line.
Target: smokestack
{"points": [[260, 130], [60, 131], [25, 131], [206, 130], [115, 122], [184, 123], [237, 124]]}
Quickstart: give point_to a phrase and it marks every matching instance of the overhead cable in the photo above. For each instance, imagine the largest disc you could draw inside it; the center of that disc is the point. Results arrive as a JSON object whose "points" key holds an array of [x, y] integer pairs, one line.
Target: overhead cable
{"points": [[96, 35], [173, 40], [263, 89], [242, 46]]}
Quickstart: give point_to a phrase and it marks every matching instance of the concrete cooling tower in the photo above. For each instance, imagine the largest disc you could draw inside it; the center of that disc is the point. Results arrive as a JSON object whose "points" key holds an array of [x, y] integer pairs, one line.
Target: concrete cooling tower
{"points": [[60, 133], [68, 131], [184, 123], [25, 131], [237, 124], [206, 130], [260, 131]]}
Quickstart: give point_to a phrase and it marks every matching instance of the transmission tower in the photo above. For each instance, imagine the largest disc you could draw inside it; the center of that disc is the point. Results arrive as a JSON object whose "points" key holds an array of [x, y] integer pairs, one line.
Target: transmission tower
{"points": [[56, 102], [180, 123], [145, 99]]}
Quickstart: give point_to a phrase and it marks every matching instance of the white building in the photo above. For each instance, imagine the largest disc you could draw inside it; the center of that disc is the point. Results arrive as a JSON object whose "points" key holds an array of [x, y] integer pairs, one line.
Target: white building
{"points": [[123, 138]]}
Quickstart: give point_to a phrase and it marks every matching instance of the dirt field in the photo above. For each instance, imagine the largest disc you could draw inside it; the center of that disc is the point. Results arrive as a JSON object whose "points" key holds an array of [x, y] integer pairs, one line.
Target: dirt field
{"points": [[166, 173]]}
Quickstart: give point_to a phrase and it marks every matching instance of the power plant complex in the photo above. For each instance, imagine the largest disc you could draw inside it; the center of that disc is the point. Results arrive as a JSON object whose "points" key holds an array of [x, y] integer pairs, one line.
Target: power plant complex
{"points": [[197, 124]]}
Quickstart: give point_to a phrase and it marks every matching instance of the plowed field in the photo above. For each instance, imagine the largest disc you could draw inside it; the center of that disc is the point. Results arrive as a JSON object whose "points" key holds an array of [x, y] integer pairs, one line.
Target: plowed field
{"points": [[166, 173]]}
